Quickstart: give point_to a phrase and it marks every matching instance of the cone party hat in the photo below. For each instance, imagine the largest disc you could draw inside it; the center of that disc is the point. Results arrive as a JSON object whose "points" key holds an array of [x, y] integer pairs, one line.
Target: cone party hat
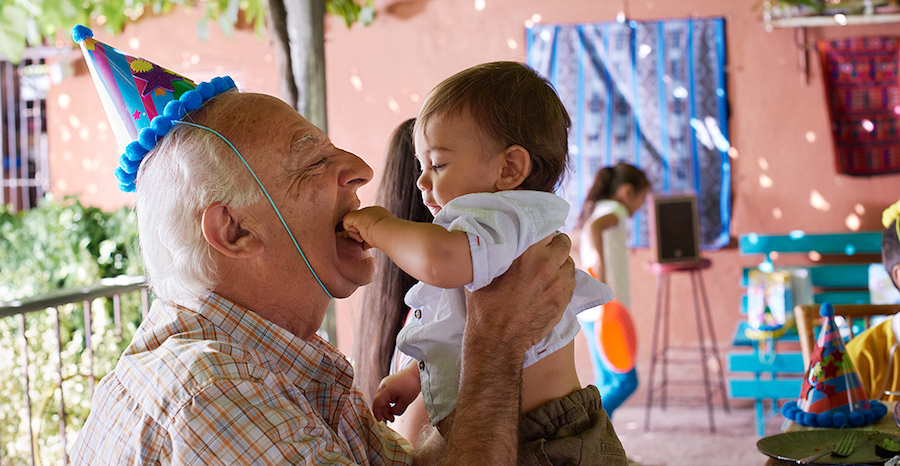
{"points": [[142, 99], [831, 394]]}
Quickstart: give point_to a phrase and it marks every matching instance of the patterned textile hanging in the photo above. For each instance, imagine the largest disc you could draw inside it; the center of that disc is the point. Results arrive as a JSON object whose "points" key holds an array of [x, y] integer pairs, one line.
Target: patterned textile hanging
{"points": [[651, 94], [863, 92]]}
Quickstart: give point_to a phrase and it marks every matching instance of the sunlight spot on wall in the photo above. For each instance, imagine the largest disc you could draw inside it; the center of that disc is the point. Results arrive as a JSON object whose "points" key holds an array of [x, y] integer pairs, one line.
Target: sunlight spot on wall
{"points": [[620, 17], [414, 97], [536, 17], [733, 152], [356, 82], [61, 185], [92, 188], [74, 121], [897, 109], [394, 106], [815, 256], [860, 209], [763, 163], [86, 164], [680, 92], [512, 44], [776, 212], [852, 222], [101, 20], [631, 425], [185, 63], [867, 125], [64, 100], [765, 181], [773, 255], [529, 23], [841, 19], [195, 59], [67, 156], [479, 5], [818, 202], [102, 126], [810, 137], [134, 43], [65, 134], [84, 134]]}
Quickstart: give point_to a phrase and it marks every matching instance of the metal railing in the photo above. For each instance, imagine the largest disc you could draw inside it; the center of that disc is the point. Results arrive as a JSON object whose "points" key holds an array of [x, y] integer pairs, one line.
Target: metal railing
{"points": [[110, 288]]}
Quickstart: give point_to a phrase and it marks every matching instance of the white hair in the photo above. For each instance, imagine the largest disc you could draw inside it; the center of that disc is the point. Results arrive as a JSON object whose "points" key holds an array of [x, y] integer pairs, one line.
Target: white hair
{"points": [[188, 170]]}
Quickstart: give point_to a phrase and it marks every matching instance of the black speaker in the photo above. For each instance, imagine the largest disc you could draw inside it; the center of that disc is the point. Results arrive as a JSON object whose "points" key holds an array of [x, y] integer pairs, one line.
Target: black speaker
{"points": [[677, 226]]}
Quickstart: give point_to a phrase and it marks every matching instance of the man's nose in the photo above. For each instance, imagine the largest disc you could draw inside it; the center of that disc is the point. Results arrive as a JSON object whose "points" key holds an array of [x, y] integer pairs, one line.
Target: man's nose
{"points": [[355, 172]]}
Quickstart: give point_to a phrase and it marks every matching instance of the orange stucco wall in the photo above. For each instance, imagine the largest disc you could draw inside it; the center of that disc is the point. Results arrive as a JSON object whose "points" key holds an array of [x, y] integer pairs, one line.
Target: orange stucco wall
{"points": [[783, 170]]}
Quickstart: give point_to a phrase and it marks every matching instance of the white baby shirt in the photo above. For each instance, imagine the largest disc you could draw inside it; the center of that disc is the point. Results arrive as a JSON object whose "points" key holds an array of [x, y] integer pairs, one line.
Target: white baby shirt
{"points": [[500, 227]]}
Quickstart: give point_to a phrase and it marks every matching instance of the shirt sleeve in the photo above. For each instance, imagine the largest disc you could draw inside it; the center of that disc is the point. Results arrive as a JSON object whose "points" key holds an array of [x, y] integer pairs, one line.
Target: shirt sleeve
{"points": [[245, 422], [501, 226]]}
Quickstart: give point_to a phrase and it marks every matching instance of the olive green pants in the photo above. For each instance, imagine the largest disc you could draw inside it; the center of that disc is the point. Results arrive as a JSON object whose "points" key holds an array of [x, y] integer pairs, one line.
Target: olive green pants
{"points": [[574, 430]]}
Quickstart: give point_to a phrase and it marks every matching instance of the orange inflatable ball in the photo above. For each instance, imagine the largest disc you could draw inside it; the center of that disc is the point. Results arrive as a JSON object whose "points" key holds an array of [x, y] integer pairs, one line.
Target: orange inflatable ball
{"points": [[616, 339]]}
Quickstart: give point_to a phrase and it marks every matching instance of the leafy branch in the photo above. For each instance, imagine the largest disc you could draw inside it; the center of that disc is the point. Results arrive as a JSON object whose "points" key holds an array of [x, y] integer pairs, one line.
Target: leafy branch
{"points": [[38, 22]]}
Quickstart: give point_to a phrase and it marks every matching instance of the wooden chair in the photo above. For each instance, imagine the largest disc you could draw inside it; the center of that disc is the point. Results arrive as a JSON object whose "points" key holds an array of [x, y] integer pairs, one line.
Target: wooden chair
{"points": [[807, 318]]}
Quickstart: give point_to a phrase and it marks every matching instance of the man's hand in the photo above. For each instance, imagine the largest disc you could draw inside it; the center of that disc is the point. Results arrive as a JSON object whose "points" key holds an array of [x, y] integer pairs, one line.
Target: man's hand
{"points": [[521, 306]]}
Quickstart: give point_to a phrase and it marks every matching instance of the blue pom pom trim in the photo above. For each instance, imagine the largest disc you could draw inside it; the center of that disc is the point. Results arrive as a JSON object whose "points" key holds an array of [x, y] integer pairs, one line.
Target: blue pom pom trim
{"points": [[825, 310], [130, 161], [858, 418], [80, 33]]}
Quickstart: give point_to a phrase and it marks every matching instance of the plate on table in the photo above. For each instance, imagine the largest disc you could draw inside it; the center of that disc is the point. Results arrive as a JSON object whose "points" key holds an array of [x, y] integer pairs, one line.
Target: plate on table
{"points": [[791, 446]]}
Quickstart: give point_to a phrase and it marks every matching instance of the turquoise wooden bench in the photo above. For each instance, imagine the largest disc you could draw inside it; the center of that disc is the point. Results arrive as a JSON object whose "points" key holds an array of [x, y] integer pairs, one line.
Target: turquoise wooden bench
{"points": [[767, 377]]}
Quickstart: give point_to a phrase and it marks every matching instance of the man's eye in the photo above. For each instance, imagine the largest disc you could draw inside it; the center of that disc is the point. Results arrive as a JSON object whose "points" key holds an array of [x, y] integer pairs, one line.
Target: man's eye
{"points": [[437, 168]]}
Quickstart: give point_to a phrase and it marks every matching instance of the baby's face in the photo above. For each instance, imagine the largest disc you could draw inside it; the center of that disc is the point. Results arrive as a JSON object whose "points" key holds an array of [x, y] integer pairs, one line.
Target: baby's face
{"points": [[456, 159]]}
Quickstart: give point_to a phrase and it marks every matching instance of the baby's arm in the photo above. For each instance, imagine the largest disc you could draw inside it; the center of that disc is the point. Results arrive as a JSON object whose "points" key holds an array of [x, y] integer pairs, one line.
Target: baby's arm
{"points": [[428, 252], [396, 392]]}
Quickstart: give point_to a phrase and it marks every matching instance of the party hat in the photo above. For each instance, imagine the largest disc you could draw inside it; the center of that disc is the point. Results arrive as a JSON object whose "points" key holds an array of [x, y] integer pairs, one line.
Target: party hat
{"points": [[832, 394], [142, 99]]}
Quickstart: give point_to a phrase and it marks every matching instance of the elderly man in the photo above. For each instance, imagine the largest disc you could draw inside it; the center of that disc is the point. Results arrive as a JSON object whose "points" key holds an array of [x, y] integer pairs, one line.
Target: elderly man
{"points": [[240, 229]]}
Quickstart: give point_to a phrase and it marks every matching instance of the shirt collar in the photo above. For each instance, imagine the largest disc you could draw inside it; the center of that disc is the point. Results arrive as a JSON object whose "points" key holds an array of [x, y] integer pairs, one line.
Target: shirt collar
{"points": [[302, 361]]}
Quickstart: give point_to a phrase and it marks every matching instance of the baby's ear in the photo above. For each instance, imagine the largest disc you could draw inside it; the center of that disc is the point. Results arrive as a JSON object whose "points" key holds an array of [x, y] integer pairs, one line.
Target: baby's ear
{"points": [[516, 168]]}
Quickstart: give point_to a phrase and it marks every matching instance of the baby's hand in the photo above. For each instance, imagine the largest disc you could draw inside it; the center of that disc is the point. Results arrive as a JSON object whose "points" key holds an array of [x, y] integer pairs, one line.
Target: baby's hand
{"points": [[358, 223], [393, 396]]}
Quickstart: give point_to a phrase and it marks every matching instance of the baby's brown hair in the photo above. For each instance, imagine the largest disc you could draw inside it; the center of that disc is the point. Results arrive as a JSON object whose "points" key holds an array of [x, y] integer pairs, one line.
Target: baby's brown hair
{"points": [[513, 105]]}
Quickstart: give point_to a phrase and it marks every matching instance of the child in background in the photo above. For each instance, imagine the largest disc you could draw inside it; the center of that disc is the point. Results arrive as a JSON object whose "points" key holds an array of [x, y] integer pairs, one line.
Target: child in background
{"points": [[616, 194], [874, 352], [492, 144]]}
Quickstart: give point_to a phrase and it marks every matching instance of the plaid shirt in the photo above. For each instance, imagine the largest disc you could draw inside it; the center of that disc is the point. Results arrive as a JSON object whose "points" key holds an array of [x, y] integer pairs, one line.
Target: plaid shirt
{"points": [[214, 383]]}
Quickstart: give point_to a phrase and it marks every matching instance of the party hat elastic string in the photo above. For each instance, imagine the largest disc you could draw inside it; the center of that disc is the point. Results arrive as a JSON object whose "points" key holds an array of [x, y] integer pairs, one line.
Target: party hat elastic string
{"points": [[277, 212]]}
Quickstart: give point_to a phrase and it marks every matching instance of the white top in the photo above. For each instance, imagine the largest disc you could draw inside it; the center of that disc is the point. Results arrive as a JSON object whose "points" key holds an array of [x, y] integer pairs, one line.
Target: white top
{"points": [[500, 226], [615, 253]]}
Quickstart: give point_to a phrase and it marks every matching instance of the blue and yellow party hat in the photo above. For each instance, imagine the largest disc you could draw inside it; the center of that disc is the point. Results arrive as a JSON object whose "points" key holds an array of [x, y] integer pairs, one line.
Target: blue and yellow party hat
{"points": [[832, 394], [142, 99]]}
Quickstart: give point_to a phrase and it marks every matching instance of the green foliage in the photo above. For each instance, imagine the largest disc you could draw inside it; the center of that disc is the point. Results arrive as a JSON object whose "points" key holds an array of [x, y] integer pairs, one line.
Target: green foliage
{"points": [[351, 11], [60, 245], [35, 22]]}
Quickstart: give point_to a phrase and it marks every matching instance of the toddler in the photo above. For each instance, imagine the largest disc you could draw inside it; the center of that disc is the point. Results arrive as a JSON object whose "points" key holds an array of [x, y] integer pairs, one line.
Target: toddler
{"points": [[492, 145]]}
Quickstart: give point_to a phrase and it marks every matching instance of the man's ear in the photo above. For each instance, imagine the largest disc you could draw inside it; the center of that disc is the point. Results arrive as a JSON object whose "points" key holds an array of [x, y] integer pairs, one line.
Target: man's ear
{"points": [[225, 229], [895, 275], [516, 167]]}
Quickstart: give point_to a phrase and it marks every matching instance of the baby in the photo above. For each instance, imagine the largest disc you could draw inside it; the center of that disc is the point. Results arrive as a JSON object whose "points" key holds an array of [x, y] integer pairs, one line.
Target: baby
{"points": [[492, 145]]}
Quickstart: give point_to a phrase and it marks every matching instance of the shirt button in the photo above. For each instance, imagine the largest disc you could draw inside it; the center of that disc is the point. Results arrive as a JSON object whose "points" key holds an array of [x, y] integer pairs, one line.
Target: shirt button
{"points": [[418, 313], [421, 365]]}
